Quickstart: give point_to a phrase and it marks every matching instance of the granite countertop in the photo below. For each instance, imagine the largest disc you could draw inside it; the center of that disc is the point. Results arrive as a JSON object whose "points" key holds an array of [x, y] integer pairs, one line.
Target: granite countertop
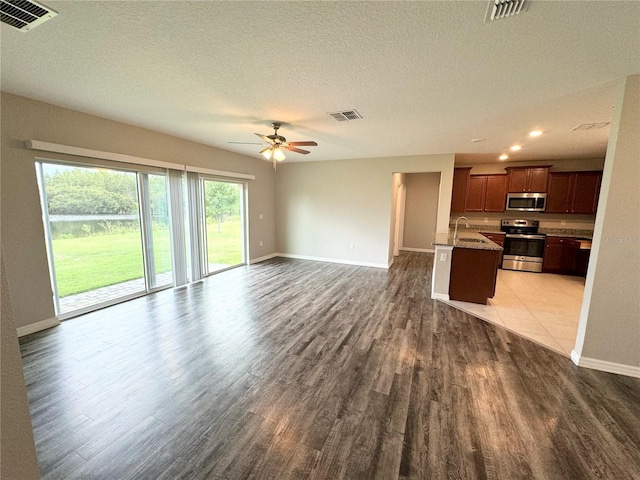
{"points": [[567, 232], [481, 243]]}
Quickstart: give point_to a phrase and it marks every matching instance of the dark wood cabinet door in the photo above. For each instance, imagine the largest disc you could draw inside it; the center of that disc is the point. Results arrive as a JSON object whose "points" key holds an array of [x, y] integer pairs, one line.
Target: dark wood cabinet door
{"points": [[559, 192], [460, 185], [473, 275], [496, 238], [528, 179], [538, 178], [518, 179], [560, 255], [476, 193], [586, 189], [496, 195]]}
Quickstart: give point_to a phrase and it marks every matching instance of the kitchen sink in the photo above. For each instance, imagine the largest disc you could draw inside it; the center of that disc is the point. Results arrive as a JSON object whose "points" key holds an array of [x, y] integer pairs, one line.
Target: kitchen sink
{"points": [[478, 240]]}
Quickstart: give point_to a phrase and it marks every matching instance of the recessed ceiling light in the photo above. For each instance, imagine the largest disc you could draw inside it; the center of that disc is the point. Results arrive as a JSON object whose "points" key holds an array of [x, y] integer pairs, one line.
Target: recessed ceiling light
{"points": [[503, 157], [515, 148], [477, 140], [535, 133]]}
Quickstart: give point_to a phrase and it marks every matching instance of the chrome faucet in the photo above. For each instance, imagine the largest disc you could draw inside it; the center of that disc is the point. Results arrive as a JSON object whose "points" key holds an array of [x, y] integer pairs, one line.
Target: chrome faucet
{"points": [[455, 232]]}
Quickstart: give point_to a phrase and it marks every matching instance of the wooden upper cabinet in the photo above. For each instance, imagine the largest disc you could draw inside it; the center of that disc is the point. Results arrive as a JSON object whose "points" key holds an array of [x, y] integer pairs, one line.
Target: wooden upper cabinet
{"points": [[559, 192], [476, 191], [496, 195], [573, 192], [538, 178], [586, 189], [460, 185], [527, 179], [486, 193]]}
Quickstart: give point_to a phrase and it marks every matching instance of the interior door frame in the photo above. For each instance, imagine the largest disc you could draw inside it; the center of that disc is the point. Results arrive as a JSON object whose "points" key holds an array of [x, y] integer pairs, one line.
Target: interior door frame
{"points": [[398, 239]]}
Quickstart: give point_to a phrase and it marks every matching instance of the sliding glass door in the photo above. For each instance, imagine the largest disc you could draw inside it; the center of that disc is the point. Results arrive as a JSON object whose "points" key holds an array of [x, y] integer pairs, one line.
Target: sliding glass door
{"points": [[157, 231], [107, 234], [223, 219]]}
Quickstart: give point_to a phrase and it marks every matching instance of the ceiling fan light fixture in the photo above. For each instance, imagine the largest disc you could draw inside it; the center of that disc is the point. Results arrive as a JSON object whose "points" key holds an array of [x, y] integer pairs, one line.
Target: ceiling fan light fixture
{"points": [[266, 153], [278, 154]]}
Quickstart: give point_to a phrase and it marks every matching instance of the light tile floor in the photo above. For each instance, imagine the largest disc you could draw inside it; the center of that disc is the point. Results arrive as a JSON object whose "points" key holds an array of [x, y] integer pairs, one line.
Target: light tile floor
{"points": [[540, 306]]}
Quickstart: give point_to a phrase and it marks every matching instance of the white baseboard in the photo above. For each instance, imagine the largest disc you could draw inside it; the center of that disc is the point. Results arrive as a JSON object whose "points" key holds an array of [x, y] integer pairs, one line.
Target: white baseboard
{"points": [[334, 260], [38, 326], [391, 262], [424, 250], [440, 296], [262, 259], [604, 366]]}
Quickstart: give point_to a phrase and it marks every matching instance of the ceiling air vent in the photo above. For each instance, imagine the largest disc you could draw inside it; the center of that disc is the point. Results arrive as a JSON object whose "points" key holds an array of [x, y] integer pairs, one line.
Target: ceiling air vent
{"points": [[24, 14], [505, 8], [345, 115], [591, 126]]}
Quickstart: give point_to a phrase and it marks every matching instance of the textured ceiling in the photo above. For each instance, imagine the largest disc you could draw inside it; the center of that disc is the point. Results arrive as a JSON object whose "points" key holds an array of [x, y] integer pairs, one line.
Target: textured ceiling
{"points": [[426, 76]]}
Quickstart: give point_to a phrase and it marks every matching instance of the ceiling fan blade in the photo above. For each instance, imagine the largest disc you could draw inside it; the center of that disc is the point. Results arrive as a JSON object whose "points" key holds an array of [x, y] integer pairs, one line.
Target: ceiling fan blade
{"points": [[264, 150], [247, 143], [265, 138], [303, 144], [297, 150]]}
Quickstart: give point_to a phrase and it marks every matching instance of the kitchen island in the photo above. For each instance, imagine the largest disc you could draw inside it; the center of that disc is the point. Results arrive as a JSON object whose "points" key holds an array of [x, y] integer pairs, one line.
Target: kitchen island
{"points": [[465, 269]]}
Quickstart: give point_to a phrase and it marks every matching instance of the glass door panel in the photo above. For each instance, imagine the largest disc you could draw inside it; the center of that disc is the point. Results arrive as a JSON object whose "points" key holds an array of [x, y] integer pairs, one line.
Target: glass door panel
{"points": [[224, 224], [94, 234], [158, 236]]}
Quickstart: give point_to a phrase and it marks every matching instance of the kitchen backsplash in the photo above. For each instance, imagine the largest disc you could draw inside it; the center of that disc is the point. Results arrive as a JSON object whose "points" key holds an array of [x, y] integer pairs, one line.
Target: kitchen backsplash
{"points": [[547, 221]]}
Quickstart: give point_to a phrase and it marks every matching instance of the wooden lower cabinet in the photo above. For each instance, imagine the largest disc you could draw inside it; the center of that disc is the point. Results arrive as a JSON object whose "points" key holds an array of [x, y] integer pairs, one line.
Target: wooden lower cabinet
{"points": [[560, 255], [473, 275], [497, 238]]}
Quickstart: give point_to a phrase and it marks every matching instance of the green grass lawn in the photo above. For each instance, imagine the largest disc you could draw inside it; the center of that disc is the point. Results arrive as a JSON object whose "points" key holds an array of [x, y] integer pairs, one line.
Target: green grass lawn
{"points": [[86, 263]]}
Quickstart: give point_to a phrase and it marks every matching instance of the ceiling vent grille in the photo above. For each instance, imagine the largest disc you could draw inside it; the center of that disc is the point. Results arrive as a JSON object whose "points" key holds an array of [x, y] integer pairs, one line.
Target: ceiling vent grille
{"points": [[24, 14], [346, 115], [591, 126], [505, 8]]}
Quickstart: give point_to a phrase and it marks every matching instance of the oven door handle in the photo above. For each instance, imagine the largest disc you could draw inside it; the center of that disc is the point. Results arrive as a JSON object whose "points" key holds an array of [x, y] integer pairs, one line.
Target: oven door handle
{"points": [[522, 235]]}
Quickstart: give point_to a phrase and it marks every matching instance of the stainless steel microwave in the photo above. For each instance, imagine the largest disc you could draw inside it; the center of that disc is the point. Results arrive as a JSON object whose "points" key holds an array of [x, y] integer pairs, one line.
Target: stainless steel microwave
{"points": [[526, 202]]}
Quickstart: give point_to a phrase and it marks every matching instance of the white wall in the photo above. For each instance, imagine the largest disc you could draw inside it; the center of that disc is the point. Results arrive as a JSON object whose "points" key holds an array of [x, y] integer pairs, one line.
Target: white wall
{"points": [[609, 330], [22, 228], [323, 207], [421, 210]]}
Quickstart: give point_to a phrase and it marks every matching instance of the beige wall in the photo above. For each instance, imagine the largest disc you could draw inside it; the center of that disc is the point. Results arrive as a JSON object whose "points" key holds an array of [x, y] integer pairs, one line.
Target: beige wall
{"points": [[323, 207], [609, 329], [421, 210], [22, 228], [17, 449]]}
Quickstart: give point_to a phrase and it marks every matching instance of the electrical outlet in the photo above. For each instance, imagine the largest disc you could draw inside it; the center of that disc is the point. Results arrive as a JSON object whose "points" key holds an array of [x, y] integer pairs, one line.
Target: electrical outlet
{"points": [[351, 246], [260, 242], [260, 216], [443, 257]]}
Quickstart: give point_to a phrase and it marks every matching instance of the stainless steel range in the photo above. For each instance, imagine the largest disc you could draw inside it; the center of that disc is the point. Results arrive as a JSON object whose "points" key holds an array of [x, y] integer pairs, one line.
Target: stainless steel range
{"points": [[523, 245]]}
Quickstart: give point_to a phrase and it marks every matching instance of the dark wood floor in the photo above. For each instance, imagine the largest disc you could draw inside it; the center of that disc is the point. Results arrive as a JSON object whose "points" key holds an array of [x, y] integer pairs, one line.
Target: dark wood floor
{"points": [[295, 369]]}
